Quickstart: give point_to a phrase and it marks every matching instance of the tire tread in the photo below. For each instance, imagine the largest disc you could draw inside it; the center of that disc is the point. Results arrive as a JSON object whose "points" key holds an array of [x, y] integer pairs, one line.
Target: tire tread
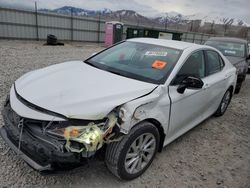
{"points": [[114, 149]]}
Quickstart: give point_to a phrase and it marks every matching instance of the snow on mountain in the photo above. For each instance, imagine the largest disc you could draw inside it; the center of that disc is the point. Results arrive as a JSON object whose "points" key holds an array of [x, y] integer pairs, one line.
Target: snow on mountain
{"points": [[78, 11], [170, 18], [211, 18], [174, 17], [105, 11], [160, 18], [74, 10], [128, 14]]}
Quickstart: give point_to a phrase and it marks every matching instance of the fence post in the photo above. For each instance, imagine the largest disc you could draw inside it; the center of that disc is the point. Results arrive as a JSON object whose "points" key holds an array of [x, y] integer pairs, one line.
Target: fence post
{"points": [[185, 36], [37, 32], [99, 28], [202, 37], [194, 36], [191, 27], [71, 25]]}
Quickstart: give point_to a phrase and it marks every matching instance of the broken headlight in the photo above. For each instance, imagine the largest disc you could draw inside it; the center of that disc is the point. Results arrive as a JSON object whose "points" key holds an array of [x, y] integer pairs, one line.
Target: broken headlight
{"points": [[88, 138]]}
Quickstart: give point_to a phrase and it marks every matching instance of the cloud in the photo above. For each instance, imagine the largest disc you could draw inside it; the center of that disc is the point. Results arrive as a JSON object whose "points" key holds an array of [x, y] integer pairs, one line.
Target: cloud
{"points": [[238, 9]]}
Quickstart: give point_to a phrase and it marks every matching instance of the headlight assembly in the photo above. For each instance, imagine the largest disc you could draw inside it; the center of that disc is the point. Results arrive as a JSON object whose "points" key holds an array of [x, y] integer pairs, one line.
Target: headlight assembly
{"points": [[87, 138]]}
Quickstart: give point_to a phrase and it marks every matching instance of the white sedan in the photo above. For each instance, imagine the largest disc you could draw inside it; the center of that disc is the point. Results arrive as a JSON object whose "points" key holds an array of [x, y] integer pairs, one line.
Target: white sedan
{"points": [[133, 98]]}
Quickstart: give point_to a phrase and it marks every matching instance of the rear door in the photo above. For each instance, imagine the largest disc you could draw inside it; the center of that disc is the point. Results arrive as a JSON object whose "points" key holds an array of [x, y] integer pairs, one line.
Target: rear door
{"points": [[215, 81]]}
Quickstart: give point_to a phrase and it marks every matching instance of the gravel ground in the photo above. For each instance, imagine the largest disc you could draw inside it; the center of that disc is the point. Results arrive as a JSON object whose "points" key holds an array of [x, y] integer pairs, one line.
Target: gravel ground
{"points": [[214, 154]]}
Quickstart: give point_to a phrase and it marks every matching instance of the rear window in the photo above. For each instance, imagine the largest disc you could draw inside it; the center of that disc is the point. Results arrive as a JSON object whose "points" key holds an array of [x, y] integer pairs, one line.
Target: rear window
{"points": [[228, 48], [214, 62]]}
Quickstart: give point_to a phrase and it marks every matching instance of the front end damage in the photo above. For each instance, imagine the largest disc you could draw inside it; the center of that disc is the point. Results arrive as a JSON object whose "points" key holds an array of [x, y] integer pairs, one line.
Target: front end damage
{"points": [[89, 138], [56, 140], [47, 145]]}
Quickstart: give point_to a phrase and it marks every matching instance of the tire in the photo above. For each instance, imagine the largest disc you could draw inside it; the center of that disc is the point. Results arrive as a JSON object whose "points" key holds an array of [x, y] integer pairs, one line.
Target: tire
{"points": [[224, 103], [51, 40], [120, 154], [238, 87]]}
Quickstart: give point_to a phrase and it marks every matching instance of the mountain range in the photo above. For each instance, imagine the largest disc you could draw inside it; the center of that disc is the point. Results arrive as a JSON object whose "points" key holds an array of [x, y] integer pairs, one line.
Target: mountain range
{"points": [[130, 15]]}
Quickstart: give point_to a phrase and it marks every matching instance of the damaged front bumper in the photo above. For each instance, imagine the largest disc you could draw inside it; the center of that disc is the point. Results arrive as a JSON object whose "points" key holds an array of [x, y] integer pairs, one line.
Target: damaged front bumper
{"points": [[25, 157], [44, 151]]}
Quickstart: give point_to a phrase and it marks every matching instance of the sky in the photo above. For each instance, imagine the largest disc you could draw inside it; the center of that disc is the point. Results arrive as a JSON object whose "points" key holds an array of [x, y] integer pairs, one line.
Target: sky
{"points": [[239, 9]]}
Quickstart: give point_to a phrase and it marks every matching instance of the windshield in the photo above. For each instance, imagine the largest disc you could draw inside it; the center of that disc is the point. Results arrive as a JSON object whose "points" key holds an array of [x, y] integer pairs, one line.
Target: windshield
{"points": [[145, 62], [228, 48]]}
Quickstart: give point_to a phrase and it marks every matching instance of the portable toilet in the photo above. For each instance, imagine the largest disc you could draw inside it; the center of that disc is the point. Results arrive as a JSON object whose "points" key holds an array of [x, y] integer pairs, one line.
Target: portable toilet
{"points": [[113, 33]]}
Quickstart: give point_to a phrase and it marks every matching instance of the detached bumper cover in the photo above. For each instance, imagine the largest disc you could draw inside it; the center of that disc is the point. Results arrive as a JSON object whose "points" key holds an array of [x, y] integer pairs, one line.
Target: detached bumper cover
{"points": [[38, 151], [26, 158]]}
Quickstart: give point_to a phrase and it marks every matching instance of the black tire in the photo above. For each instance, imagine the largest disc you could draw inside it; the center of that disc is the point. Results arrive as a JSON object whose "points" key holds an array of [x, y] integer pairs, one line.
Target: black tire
{"points": [[237, 88], [51, 40], [116, 152], [220, 111]]}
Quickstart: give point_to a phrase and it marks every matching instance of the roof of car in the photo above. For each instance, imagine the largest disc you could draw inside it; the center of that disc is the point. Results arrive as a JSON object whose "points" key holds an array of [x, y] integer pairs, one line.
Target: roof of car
{"points": [[228, 39], [166, 43]]}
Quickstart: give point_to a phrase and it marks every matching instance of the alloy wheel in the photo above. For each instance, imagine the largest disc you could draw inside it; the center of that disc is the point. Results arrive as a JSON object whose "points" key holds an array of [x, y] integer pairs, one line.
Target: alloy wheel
{"points": [[140, 153], [225, 101]]}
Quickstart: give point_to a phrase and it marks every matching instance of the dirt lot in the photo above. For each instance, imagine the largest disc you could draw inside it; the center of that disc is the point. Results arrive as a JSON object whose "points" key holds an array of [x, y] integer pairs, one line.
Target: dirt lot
{"points": [[214, 154]]}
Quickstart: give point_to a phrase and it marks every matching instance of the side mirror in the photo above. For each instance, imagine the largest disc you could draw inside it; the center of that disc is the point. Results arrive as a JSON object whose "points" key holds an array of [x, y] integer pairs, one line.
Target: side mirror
{"points": [[190, 82]]}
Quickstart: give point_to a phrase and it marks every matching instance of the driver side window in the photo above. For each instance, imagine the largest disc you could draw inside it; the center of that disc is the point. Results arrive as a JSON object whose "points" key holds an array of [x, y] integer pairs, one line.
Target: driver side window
{"points": [[194, 66]]}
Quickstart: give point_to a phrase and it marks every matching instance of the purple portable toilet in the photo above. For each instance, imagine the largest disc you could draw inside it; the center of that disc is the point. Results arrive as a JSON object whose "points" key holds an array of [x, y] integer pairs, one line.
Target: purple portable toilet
{"points": [[113, 33]]}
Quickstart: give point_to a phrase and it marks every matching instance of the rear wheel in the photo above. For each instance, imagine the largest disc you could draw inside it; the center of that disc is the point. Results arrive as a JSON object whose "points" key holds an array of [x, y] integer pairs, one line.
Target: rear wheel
{"points": [[224, 103], [130, 157]]}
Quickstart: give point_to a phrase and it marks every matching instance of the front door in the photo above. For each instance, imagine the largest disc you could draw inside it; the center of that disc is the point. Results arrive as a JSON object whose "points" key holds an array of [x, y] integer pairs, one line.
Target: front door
{"points": [[187, 109]]}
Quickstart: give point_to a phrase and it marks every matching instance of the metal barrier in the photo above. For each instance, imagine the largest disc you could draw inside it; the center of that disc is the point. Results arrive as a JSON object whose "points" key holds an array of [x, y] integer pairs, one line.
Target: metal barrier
{"points": [[36, 25]]}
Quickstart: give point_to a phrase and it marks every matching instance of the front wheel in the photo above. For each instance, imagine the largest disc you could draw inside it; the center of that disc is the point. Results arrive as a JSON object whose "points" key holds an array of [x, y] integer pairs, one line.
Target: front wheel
{"points": [[130, 157], [224, 103], [238, 87]]}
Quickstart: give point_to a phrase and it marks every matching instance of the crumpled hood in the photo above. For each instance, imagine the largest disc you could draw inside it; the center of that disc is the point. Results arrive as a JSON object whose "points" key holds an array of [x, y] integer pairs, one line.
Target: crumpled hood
{"points": [[78, 90], [235, 60]]}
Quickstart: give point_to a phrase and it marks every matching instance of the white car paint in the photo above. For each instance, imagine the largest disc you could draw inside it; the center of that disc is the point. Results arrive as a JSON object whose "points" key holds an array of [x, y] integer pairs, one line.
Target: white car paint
{"points": [[80, 91], [188, 109], [27, 112], [77, 90]]}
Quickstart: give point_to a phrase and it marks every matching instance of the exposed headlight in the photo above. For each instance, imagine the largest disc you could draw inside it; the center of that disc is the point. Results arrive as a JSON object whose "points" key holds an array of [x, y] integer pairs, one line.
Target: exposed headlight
{"points": [[87, 138]]}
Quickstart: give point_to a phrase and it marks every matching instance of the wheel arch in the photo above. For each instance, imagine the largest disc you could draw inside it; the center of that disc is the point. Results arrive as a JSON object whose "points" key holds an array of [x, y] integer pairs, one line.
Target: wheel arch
{"points": [[158, 125], [231, 88]]}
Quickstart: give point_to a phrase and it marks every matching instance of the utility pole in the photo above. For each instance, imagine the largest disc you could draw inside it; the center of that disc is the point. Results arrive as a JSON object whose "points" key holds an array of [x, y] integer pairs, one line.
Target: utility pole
{"points": [[166, 21], [212, 27], [99, 26], [71, 27], [120, 17], [191, 28]]}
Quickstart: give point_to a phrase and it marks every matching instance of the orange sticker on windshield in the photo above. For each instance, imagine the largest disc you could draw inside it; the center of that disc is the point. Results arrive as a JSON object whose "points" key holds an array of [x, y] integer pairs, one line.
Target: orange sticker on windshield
{"points": [[159, 64]]}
